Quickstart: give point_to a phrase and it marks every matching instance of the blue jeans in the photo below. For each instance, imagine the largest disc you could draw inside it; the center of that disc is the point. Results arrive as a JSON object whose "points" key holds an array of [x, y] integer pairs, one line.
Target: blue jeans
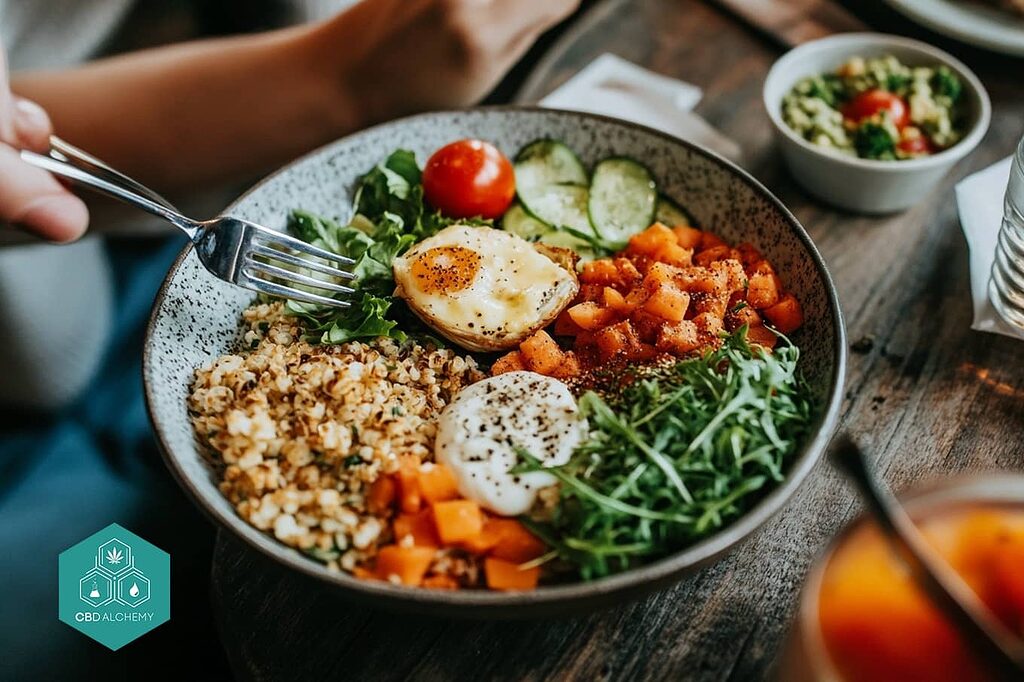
{"points": [[66, 475]]}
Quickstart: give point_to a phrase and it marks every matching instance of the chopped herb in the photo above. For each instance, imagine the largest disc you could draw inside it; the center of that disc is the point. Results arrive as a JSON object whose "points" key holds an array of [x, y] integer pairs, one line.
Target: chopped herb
{"points": [[873, 141], [945, 83], [352, 460]]}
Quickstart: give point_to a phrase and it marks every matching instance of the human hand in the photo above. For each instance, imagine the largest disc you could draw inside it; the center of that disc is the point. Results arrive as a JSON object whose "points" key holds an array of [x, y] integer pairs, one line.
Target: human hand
{"points": [[403, 56], [30, 197]]}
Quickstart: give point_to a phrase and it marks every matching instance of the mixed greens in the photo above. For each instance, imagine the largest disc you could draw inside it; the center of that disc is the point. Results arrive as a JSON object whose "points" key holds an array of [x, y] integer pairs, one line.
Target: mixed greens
{"points": [[389, 217], [679, 452]]}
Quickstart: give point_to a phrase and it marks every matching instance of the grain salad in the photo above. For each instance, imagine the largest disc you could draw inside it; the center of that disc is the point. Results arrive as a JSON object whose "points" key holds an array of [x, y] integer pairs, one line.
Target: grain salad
{"points": [[298, 431]]}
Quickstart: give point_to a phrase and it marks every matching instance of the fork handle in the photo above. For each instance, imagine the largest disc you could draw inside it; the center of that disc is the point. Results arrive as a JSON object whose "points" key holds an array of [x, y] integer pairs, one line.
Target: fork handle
{"points": [[112, 189]]}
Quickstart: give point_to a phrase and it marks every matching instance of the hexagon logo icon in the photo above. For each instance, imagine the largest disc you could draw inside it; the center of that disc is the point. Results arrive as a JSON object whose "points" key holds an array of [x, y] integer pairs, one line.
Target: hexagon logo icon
{"points": [[114, 586]]}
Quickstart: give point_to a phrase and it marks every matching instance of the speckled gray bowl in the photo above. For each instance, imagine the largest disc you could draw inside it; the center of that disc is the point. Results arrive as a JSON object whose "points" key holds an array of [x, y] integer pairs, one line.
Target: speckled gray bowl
{"points": [[195, 319]]}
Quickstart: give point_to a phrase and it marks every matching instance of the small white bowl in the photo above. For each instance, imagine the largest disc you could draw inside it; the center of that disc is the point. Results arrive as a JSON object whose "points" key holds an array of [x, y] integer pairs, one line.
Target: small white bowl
{"points": [[868, 185]]}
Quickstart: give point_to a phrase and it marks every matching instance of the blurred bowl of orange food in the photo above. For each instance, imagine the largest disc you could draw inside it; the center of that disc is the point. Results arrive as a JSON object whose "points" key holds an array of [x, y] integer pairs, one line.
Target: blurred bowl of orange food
{"points": [[862, 617]]}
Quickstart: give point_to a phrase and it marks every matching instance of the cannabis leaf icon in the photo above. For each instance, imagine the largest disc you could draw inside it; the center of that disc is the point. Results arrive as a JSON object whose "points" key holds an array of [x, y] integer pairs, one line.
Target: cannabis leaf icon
{"points": [[114, 556]]}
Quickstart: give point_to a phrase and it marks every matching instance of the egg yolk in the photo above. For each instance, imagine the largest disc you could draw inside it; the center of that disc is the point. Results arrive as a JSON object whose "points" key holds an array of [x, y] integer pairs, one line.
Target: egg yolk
{"points": [[445, 269]]}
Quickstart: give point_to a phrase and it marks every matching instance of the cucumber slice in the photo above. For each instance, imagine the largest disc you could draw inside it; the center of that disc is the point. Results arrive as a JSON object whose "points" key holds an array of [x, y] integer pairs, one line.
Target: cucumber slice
{"points": [[546, 162], [622, 198], [517, 221], [561, 206], [568, 241], [668, 212]]}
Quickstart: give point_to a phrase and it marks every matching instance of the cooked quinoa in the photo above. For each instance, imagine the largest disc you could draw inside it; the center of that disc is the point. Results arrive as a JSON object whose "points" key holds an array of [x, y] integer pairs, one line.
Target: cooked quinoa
{"points": [[297, 431]]}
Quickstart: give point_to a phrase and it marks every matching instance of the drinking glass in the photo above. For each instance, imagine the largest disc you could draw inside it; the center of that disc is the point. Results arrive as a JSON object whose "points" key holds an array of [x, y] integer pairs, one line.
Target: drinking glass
{"points": [[1006, 286]]}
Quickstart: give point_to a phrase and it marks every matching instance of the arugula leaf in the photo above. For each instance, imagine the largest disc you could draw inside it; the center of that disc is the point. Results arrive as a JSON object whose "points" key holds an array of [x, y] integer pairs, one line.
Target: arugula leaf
{"points": [[675, 454]]}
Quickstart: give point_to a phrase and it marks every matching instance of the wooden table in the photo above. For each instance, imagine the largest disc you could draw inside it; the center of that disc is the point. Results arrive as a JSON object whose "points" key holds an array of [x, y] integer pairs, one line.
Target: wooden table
{"points": [[929, 396]]}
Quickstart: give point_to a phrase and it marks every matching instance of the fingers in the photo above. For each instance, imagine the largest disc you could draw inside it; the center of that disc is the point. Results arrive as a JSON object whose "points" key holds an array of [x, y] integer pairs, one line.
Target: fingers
{"points": [[32, 126], [33, 199]]}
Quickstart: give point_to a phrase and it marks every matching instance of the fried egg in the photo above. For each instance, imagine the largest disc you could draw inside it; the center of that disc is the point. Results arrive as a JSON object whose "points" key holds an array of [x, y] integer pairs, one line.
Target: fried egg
{"points": [[482, 288], [479, 432]]}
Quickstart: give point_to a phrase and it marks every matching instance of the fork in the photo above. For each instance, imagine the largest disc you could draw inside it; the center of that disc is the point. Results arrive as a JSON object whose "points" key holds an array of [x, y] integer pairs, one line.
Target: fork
{"points": [[235, 250]]}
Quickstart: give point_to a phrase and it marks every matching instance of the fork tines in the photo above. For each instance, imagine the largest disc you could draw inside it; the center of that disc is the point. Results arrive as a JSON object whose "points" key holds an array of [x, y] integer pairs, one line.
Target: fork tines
{"points": [[264, 275]]}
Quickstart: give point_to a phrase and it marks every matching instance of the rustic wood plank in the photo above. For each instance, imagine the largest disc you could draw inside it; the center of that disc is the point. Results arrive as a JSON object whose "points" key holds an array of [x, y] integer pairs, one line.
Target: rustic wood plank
{"points": [[930, 397]]}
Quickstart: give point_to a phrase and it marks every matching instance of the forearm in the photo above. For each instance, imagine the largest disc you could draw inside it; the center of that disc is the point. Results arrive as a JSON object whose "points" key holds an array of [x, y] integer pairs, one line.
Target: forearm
{"points": [[182, 116]]}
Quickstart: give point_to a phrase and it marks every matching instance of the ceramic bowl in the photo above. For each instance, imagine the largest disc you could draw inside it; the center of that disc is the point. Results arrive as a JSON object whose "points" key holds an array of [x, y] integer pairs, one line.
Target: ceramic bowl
{"points": [[868, 185], [195, 319]]}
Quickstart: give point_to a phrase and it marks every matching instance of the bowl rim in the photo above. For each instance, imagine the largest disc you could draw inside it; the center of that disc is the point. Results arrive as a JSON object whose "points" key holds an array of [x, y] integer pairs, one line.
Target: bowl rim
{"points": [[867, 39], [628, 584]]}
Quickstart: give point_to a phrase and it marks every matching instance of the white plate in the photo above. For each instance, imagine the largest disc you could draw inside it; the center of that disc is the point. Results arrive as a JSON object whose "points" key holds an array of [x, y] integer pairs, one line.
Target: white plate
{"points": [[971, 22]]}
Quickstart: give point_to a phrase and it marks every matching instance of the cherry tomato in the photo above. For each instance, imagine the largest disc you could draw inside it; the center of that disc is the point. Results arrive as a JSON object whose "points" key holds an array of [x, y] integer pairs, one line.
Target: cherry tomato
{"points": [[469, 178], [871, 102], [915, 145]]}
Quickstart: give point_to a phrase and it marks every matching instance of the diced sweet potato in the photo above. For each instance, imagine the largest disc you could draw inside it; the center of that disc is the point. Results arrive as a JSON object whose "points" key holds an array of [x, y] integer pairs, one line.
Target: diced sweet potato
{"points": [[715, 253], [541, 353], [590, 292], [615, 339], [601, 271], [679, 338], [709, 240], [673, 254], [786, 315], [458, 520], [741, 313], [735, 276], [709, 325], [647, 326], [763, 290], [569, 368], [418, 526], [437, 483], [510, 362], [715, 304], [613, 299], [515, 543], [687, 237], [409, 499], [505, 575], [564, 326], [409, 564], [668, 303], [660, 274], [381, 495], [629, 275], [748, 254], [700, 280], [651, 240], [590, 316], [762, 336]]}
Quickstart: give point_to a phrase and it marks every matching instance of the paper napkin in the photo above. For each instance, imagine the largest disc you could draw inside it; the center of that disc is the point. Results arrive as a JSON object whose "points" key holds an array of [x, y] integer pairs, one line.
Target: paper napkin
{"points": [[979, 199], [612, 86]]}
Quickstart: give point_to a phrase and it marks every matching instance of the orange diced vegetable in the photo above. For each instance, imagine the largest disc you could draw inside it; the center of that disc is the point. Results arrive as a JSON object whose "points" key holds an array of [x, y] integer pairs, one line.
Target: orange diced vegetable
{"points": [[659, 274], [700, 280], [441, 582], [710, 241], [569, 368], [709, 324], [410, 564], [717, 305], [381, 495], [364, 573], [420, 526], [409, 484], [668, 303], [748, 254], [510, 362], [709, 256], [615, 339], [589, 315], [486, 540], [614, 300], [458, 520], [735, 276], [541, 353], [686, 236], [679, 339], [505, 575], [437, 483], [590, 292], [651, 240], [762, 336], [564, 326], [602, 271], [515, 543], [673, 254], [741, 313], [629, 275], [763, 290], [786, 315]]}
